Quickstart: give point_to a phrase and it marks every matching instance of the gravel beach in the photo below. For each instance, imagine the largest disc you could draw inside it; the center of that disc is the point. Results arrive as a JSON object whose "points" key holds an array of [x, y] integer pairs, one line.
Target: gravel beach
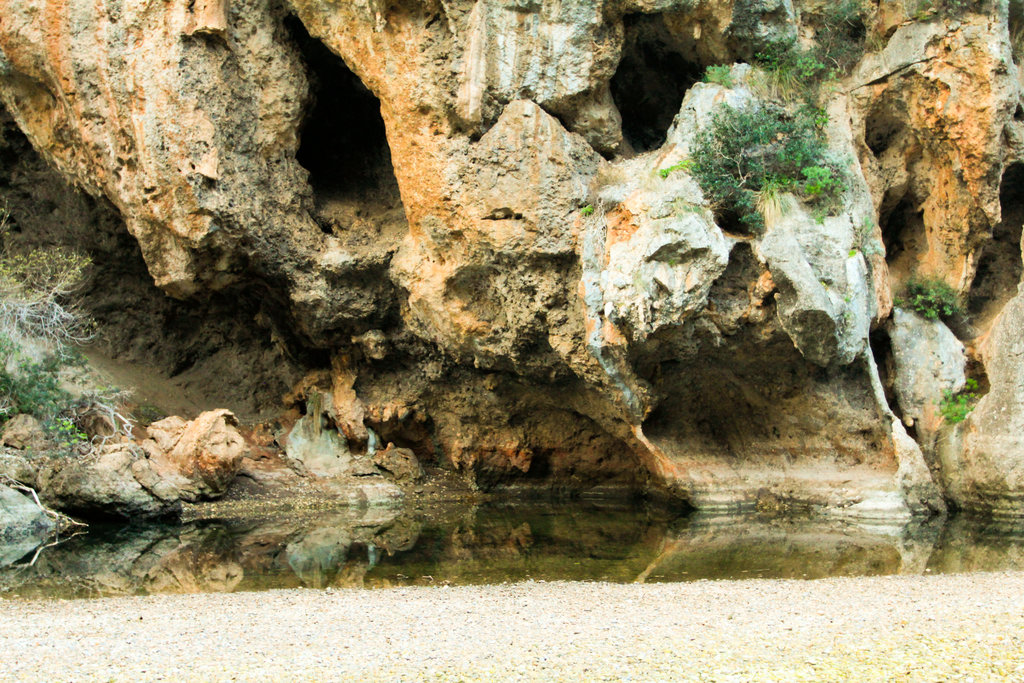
{"points": [[930, 628]]}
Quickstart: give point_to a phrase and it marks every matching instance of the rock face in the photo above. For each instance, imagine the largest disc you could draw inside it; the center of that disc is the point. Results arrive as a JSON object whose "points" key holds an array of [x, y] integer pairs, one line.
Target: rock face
{"points": [[23, 525], [180, 461], [23, 431], [472, 220], [983, 461], [929, 361], [202, 457]]}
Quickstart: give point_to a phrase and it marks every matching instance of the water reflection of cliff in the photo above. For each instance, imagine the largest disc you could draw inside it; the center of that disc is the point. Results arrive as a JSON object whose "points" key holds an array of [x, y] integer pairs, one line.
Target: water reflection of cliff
{"points": [[492, 545]]}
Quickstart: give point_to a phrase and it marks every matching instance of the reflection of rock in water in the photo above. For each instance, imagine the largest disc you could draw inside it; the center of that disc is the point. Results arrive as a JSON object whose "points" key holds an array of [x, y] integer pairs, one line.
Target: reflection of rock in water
{"points": [[727, 549], [375, 548], [211, 556], [972, 546]]}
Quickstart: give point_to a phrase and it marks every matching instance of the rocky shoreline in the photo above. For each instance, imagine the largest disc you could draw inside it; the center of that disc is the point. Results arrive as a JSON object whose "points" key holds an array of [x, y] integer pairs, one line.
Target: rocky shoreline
{"points": [[883, 628]]}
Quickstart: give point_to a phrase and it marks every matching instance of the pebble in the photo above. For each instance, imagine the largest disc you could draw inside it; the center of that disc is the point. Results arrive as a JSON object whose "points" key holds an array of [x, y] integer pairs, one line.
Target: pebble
{"points": [[927, 628]]}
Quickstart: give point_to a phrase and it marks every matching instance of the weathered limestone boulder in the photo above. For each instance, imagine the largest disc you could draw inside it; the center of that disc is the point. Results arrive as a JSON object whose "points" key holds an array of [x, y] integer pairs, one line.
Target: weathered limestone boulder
{"points": [[23, 525], [112, 481], [23, 432], [663, 253], [200, 458], [400, 463], [180, 461], [823, 297], [929, 361]]}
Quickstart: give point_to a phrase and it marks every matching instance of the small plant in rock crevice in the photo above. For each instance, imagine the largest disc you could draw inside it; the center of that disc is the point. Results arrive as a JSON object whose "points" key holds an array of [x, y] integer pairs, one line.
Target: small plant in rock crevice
{"points": [[932, 298], [720, 74], [792, 70], [684, 165], [866, 242], [955, 407]]}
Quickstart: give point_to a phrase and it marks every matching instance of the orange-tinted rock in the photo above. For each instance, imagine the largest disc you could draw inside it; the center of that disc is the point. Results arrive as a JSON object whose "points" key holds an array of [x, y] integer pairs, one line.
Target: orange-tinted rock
{"points": [[541, 313], [201, 457]]}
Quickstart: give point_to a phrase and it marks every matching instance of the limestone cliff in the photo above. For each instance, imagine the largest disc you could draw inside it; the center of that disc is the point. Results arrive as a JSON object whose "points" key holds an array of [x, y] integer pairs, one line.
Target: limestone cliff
{"points": [[479, 221]]}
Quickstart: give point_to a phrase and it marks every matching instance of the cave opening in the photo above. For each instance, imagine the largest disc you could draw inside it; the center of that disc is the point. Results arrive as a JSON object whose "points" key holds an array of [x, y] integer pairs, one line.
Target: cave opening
{"points": [[653, 75], [903, 234], [881, 129], [344, 143], [881, 348], [1000, 266]]}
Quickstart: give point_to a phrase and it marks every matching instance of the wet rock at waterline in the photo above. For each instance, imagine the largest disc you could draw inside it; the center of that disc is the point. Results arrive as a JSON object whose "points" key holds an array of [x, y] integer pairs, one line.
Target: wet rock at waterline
{"points": [[481, 224], [181, 461], [112, 481], [23, 525]]}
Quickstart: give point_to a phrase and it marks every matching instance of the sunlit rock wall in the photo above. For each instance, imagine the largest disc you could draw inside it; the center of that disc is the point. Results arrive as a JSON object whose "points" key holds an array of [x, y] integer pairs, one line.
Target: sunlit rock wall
{"points": [[457, 208]]}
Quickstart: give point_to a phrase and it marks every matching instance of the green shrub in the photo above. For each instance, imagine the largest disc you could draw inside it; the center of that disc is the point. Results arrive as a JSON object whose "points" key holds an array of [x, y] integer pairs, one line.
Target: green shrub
{"points": [[28, 385], [38, 323], [759, 151], [932, 298], [820, 180], [955, 408], [66, 433], [720, 74], [587, 210]]}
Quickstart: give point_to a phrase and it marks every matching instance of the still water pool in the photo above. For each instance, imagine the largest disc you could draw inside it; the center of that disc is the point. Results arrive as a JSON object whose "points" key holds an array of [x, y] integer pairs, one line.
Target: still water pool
{"points": [[492, 544]]}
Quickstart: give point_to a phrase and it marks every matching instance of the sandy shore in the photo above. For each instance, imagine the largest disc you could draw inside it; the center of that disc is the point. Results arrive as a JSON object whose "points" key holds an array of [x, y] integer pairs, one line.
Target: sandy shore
{"points": [[889, 628]]}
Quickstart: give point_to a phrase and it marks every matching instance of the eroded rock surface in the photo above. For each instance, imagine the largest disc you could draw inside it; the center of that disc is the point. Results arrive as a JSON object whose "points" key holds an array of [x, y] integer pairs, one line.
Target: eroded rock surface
{"points": [[23, 525], [180, 461], [456, 213], [202, 457]]}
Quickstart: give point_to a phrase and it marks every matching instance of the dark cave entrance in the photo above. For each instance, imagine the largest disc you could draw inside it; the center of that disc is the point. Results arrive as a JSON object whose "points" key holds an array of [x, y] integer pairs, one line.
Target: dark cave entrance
{"points": [[1000, 267], [344, 144], [881, 130], [903, 234], [653, 76]]}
